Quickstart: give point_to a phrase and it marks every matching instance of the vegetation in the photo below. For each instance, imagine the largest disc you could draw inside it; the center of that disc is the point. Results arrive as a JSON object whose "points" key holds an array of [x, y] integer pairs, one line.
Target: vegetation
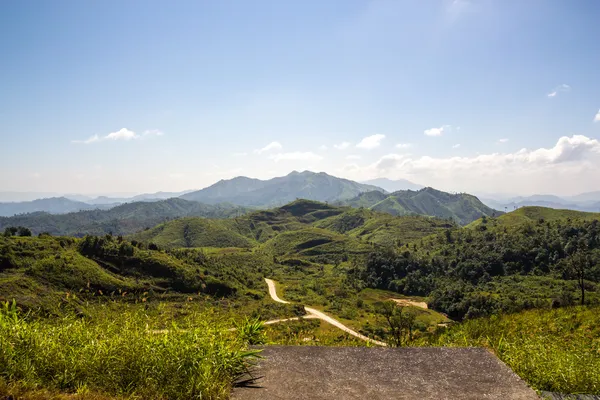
{"points": [[408, 280], [118, 354], [533, 215], [120, 220], [37, 272], [555, 350], [461, 208], [475, 272]]}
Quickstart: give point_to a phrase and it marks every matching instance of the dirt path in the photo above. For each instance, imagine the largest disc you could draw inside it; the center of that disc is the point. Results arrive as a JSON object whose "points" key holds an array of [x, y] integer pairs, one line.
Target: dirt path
{"points": [[312, 313], [407, 302]]}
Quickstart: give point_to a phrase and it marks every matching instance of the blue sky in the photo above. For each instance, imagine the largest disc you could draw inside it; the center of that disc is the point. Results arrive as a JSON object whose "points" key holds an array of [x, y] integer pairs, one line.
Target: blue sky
{"points": [[141, 96]]}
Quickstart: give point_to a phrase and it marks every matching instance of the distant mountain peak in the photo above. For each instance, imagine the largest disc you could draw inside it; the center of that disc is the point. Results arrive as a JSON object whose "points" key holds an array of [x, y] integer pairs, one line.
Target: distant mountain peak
{"points": [[318, 186]]}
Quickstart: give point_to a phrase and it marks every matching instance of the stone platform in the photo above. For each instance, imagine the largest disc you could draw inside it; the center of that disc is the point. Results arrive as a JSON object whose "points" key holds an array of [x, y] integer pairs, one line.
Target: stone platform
{"points": [[319, 373]]}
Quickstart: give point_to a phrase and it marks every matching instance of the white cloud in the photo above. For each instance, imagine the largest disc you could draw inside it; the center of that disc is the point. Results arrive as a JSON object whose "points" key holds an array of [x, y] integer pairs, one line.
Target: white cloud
{"points": [[322, 147], [403, 146], [296, 156], [240, 154], [349, 168], [456, 146], [503, 140], [388, 162], [370, 142], [121, 134], [353, 157], [560, 88], [569, 166], [342, 146], [436, 131], [269, 147], [597, 117]]}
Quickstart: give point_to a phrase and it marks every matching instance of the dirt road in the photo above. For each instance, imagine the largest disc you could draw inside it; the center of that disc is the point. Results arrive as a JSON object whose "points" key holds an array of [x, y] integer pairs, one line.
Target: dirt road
{"points": [[312, 313]]}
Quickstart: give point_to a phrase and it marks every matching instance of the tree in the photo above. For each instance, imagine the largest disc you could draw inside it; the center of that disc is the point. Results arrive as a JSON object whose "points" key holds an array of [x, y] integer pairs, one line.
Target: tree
{"points": [[24, 231], [400, 323], [580, 264], [10, 231]]}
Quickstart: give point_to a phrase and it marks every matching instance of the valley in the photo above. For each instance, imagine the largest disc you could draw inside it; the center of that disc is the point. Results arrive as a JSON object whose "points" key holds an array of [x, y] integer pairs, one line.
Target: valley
{"points": [[312, 273]]}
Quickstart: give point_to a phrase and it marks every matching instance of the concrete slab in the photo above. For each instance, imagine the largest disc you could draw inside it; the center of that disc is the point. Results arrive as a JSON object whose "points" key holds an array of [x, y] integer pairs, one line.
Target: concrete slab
{"points": [[304, 372]]}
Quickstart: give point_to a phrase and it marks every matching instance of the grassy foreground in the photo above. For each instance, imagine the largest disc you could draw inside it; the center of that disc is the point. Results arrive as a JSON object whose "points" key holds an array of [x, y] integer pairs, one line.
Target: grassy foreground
{"points": [[117, 356], [555, 350]]}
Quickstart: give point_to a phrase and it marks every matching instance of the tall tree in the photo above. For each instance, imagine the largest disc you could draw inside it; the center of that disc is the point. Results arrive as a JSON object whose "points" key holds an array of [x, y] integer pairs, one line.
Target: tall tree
{"points": [[580, 264]]}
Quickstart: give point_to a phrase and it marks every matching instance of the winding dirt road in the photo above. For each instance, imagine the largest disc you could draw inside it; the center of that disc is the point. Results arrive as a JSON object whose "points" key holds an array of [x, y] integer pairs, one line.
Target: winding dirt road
{"points": [[312, 313]]}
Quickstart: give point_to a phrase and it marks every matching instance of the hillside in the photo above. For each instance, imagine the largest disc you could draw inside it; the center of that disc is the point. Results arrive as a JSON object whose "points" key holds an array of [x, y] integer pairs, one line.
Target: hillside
{"points": [[195, 232], [297, 225], [121, 220], [278, 191], [529, 262], [36, 272], [382, 228], [53, 205], [534, 215], [463, 208]]}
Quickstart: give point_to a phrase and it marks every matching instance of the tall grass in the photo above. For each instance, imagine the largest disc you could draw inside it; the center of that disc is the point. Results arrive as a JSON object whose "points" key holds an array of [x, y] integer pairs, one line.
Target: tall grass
{"points": [[119, 355], [554, 350]]}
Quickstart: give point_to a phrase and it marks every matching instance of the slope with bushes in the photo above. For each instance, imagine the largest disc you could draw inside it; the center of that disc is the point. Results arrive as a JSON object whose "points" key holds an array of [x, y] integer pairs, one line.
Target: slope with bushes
{"points": [[534, 215], [38, 271], [474, 272], [462, 208]]}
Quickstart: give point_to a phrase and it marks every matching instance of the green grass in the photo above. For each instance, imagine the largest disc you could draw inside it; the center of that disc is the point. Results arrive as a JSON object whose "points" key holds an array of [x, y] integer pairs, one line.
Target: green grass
{"points": [[554, 350], [117, 354], [195, 232]]}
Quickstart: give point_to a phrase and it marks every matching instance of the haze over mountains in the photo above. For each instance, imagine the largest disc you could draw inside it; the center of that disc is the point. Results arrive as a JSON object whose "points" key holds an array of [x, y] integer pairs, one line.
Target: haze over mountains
{"points": [[281, 190], [406, 198], [234, 197], [589, 202]]}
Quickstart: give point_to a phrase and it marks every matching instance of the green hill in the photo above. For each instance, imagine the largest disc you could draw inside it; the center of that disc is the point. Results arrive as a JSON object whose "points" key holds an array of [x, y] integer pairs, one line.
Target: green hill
{"points": [[121, 220], [535, 214], [195, 232], [382, 228], [300, 215], [314, 244], [38, 272], [463, 208]]}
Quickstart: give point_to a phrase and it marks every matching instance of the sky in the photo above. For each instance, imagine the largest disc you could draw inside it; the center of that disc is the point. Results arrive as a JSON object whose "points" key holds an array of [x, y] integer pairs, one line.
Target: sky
{"points": [[494, 96]]}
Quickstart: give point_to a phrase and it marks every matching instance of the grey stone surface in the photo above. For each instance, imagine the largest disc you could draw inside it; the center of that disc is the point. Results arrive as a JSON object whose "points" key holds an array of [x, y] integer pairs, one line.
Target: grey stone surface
{"points": [[304, 372]]}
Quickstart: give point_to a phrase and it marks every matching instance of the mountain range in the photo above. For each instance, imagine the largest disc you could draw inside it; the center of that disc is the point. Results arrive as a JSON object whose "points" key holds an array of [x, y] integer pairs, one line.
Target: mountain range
{"points": [[589, 202], [281, 190], [120, 220], [53, 205]]}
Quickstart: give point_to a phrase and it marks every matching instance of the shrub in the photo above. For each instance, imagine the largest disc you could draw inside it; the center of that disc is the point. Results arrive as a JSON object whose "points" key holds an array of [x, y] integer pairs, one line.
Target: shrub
{"points": [[120, 356]]}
